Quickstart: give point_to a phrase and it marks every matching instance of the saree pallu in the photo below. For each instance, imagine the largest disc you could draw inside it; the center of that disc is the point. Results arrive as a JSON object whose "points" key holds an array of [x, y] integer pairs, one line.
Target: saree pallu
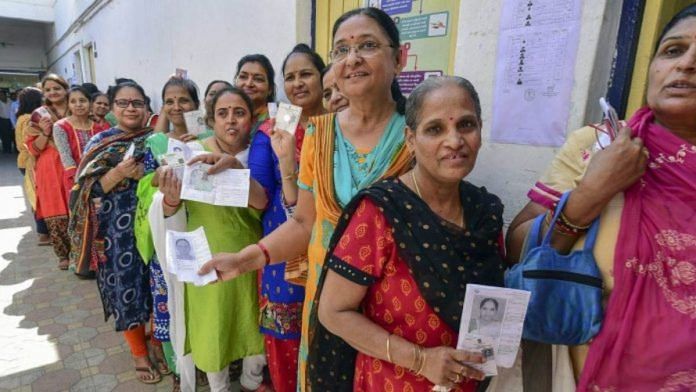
{"points": [[317, 166], [648, 339], [122, 277]]}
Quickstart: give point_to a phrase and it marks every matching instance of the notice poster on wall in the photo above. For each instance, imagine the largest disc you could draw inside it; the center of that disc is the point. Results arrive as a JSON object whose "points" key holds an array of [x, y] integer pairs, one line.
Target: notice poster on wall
{"points": [[537, 48], [428, 32]]}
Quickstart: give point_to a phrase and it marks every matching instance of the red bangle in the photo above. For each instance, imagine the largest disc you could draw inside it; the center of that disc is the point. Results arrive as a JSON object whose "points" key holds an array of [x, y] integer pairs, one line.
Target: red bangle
{"points": [[265, 253], [164, 199]]}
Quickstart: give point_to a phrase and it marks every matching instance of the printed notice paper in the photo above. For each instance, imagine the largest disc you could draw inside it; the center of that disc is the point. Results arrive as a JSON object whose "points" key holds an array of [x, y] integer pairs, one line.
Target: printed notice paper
{"points": [[227, 188], [537, 47], [186, 254]]}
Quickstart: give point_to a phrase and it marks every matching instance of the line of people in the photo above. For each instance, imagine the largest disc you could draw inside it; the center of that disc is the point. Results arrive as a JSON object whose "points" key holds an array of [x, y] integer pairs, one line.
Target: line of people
{"points": [[347, 269]]}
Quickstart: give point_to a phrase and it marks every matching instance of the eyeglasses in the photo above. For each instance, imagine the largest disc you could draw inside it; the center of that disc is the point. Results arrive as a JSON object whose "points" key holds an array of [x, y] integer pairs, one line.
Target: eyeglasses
{"points": [[363, 49], [136, 103]]}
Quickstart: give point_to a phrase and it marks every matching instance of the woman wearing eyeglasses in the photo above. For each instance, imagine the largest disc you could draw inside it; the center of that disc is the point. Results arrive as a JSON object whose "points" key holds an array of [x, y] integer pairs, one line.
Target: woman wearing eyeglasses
{"points": [[103, 207], [641, 186], [342, 153]]}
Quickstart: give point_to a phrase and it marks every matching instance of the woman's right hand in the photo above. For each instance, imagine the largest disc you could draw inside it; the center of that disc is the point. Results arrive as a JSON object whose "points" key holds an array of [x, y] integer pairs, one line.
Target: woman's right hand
{"points": [[448, 367], [169, 184], [230, 265], [46, 125], [617, 167], [127, 168], [218, 161]]}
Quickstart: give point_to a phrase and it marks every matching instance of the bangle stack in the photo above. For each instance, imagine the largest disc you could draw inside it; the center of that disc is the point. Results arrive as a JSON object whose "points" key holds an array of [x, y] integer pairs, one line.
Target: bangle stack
{"points": [[418, 360], [265, 253], [290, 177], [564, 226]]}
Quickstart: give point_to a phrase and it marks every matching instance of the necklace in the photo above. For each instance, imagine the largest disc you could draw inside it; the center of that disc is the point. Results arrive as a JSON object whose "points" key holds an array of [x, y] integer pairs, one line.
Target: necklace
{"points": [[415, 183], [220, 147]]}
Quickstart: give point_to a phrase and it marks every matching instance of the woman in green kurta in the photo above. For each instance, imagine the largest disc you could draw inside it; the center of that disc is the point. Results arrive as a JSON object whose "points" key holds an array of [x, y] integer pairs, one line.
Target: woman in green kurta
{"points": [[222, 319]]}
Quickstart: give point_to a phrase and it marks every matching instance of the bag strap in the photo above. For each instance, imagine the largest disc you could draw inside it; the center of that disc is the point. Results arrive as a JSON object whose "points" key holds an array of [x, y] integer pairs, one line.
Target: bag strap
{"points": [[557, 213], [590, 239]]}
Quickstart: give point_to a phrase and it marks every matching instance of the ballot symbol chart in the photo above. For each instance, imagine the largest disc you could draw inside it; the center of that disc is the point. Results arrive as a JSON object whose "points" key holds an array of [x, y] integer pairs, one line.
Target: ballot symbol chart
{"points": [[428, 31], [537, 49]]}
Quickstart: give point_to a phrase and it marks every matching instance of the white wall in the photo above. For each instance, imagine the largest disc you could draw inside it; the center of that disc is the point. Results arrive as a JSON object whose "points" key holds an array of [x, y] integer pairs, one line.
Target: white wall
{"points": [[509, 170], [147, 39], [24, 49]]}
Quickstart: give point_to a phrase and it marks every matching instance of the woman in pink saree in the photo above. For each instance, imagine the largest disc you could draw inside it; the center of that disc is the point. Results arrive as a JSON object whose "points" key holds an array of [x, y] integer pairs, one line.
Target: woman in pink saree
{"points": [[643, 185]]}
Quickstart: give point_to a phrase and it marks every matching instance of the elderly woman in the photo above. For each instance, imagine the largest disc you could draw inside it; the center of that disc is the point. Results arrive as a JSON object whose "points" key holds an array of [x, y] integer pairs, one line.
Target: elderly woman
{"points": [[333, 100], [341, 154], [642, 185], [401, 257], [103, 206]]}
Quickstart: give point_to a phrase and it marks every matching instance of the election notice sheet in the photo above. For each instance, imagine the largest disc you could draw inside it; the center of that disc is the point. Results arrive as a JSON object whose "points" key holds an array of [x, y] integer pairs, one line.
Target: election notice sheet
{"points": [[186, 254]]}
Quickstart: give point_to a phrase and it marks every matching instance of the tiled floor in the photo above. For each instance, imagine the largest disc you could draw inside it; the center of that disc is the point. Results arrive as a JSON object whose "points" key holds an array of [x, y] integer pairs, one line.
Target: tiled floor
{"points": [[52, 331]]}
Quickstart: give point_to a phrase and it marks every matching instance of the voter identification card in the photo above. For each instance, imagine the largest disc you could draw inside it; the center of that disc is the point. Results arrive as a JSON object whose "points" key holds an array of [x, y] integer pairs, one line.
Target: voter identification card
{"points": [[195, 122], [272, 109], [181, 73], [288, 117], [39, 113], [129, 152]]}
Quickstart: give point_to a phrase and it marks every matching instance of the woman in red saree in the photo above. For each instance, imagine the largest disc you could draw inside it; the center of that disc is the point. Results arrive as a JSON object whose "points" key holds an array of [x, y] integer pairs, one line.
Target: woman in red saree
{"points": [[51, 206], [392, 286], [72, 133], [643, 186]]}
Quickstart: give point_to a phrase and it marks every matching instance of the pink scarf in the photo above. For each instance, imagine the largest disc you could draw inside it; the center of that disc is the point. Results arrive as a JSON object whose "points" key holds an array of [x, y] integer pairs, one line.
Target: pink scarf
{"points": [[648, 337]]}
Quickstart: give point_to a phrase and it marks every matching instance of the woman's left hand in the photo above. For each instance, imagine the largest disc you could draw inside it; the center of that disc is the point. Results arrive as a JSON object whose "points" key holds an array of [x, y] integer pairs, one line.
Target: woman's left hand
{"points": [[169, 185], [218, 161], [447, 367], [187, 137]]}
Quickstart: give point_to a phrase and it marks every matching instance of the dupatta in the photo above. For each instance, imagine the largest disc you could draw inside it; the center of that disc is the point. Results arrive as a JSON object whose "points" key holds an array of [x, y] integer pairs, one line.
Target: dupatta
{"points": [[99, 159], [443, 258], [648, 338]]}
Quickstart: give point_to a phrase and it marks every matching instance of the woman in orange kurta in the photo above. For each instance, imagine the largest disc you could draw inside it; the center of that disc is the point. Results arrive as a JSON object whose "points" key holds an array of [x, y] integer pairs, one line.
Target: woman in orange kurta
{"points": [[51, 203]]}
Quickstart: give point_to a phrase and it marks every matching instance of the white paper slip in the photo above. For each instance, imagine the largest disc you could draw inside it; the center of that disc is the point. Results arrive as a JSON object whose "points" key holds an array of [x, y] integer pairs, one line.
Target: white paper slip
{"points": [[195, 122], [492, 322], [181, 73], [272, 109], [129, 152], [186, 254], [227, 188], [288, 117]]}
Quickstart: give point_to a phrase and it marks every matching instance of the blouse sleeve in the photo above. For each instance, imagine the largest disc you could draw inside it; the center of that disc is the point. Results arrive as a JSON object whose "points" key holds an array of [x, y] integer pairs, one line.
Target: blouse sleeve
{"points": [[365, 247], [262, 165], [566, 170], [305, 179], [60, 138]]}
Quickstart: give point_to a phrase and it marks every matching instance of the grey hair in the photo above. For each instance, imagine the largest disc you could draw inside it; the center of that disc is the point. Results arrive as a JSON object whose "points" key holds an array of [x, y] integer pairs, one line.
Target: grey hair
{"points": [[415, 101]]}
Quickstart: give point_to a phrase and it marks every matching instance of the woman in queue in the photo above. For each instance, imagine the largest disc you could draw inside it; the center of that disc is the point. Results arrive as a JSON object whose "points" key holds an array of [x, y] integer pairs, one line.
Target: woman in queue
{"points": [[178, 96], [30, 99], [72, 133], [273, 160], [100, 108], [51, 205], [642, 185], [368, 138], [221, 320], [106, 183], [256, 77], [402, 255], [333, 100]]}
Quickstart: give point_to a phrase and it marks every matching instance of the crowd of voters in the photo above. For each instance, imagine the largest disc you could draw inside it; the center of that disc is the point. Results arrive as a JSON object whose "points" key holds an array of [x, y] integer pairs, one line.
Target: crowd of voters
{"points": [[346, 271]]}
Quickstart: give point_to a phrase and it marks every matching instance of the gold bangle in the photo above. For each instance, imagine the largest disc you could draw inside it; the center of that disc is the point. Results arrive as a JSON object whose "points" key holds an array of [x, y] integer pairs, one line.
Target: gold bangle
{"points": [[290, 177], [389, 358], [422, 364]]}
